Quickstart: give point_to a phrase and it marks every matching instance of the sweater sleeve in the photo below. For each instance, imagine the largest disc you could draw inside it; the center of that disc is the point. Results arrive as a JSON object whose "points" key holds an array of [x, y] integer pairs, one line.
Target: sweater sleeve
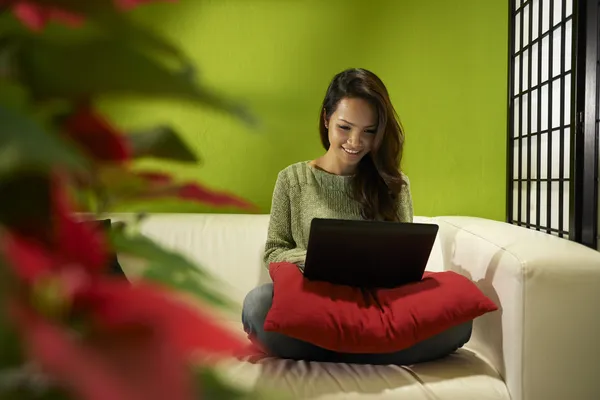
{"points": [[405, 204], [280, 246]]}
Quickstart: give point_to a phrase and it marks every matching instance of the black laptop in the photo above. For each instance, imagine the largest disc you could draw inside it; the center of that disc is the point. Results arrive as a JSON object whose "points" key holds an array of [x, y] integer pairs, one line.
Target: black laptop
{"points": [[368, 254]]}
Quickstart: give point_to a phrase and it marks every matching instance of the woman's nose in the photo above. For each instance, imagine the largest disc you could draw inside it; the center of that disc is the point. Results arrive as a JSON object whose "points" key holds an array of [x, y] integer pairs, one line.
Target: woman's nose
{"points": [[354, 139]]}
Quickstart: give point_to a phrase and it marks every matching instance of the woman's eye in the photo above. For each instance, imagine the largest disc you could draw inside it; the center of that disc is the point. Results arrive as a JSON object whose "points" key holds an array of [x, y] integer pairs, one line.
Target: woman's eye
{"points": [[344, 127], [371, 131]]}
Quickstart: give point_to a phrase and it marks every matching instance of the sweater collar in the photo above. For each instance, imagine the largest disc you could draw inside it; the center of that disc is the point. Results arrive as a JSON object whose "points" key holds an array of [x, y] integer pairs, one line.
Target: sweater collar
{"points": [[340, 182]]}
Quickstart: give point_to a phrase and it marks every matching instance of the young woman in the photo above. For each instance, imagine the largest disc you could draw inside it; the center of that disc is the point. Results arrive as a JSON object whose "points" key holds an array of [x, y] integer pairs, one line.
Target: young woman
{"points": [[358, 177]]}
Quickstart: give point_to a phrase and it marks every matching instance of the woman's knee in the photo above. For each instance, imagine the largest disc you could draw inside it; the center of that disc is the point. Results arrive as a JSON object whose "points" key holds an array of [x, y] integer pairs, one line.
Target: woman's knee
{"points": [[464, 332], [448, 341], [257, 304]]}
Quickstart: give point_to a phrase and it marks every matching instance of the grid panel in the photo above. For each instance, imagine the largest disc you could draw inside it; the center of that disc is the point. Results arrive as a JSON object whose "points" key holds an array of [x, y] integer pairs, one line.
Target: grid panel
{"points": [[540, 115]]}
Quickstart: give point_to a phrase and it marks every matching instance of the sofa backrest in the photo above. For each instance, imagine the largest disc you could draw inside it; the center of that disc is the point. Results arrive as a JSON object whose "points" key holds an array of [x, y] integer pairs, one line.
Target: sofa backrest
{"points": [[229, 246]]}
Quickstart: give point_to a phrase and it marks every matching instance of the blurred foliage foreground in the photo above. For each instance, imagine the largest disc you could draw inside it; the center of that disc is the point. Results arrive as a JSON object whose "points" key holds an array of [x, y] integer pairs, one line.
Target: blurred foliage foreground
{"points": [[69, 329]]}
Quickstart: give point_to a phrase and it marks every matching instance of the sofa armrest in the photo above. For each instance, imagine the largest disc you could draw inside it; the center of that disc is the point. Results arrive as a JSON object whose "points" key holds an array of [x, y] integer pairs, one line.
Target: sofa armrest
{"points": [[543, 340]]}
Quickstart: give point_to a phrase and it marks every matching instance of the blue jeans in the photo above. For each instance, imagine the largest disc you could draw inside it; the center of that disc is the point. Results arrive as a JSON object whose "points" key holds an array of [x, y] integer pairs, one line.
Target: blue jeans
{"points": [[258, 302]]}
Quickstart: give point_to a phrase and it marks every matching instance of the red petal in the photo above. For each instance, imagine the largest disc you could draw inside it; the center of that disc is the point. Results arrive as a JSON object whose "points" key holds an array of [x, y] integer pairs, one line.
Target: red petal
{"points": [[67, 18], [35, 16], [115, 365], [96, 136], [29, 259], [117, 303], [193, 191], [76, 242], [76, 367], [163, 185], [155, 177]]}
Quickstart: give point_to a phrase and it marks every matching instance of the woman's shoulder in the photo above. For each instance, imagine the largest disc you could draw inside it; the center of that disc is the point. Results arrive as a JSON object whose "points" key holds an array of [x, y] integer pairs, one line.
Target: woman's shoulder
{"points": [[405, 178], [293, 172], [302, 165]]}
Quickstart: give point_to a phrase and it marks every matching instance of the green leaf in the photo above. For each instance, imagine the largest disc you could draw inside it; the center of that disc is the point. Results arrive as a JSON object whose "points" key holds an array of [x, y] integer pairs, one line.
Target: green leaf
{"points": [[25, 144], [119, 187], [160, 142], [27, 207], [113, 22], [10, 349], [107, 66], [168, 267], [185, 281]]}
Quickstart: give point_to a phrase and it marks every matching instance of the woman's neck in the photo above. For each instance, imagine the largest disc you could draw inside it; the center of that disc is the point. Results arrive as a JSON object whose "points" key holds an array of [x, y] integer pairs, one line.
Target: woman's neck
{"points": [[330, 163]]}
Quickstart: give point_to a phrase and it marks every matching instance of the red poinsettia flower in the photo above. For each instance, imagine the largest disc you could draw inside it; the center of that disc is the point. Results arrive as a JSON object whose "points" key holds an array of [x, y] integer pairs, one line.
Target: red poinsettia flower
{"points": [[69, 247], [140, 344], [96, 136], [134, 340], [35, 14]]}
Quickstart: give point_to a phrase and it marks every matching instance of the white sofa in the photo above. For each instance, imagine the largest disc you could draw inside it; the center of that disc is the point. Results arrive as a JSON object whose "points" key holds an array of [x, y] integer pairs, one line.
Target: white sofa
{"points": [[542, 344]]}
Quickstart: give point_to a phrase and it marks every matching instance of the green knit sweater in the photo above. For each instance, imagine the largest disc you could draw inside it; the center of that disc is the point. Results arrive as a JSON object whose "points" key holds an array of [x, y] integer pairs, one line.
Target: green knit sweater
{"points": [[303, 192]]}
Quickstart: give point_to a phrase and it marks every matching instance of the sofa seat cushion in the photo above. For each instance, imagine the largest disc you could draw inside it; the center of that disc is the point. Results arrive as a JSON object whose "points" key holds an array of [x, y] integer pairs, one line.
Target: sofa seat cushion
{"points": [[462, 375]]}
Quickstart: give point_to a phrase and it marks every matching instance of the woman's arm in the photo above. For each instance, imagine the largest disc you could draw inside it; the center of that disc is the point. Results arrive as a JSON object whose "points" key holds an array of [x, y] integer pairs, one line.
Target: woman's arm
{"points": [[405, 204], [280, 246]]}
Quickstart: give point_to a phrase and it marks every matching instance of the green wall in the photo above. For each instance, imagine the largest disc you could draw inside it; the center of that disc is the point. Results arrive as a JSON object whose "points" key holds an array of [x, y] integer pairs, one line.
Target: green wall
{"points": [[444, 63]]}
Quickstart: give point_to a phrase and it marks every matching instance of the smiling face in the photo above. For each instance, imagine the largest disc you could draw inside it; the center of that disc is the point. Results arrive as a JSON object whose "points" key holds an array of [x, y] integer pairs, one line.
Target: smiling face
{"points": [[351, 130]]}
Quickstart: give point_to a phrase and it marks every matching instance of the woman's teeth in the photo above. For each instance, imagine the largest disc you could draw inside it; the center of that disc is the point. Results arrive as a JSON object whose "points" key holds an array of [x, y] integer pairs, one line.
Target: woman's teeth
{"points": [[350, 151]]}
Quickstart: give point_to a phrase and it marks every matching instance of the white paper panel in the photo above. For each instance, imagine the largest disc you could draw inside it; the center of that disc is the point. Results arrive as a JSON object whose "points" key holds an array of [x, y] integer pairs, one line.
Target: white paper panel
{"points": [[566, 205], [545, 16], [569, 8], [526, 25], [524, 151], [557, 11], [533, 205], [524, 115], [556, 97], [535, 23], [518, 31], [534, 64], [566, 134], [556, 51], [554, 206], [543, 203], [524, 202], [544, 108], [567, 95], [517, 74], [534, 111], [516, 111], [555, 154], [515, 158], [525, 83], [545, 57], [568, 45], [534, 156], [515, 208]]}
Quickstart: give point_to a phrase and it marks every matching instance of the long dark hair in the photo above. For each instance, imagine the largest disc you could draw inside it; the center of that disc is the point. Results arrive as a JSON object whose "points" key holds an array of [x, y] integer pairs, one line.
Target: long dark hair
{"points": [[378, 181]]}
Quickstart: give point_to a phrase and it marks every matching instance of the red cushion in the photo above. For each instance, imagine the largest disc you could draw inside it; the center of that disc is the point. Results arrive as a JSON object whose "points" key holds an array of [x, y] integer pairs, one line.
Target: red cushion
{"points": [[351, 320]]}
